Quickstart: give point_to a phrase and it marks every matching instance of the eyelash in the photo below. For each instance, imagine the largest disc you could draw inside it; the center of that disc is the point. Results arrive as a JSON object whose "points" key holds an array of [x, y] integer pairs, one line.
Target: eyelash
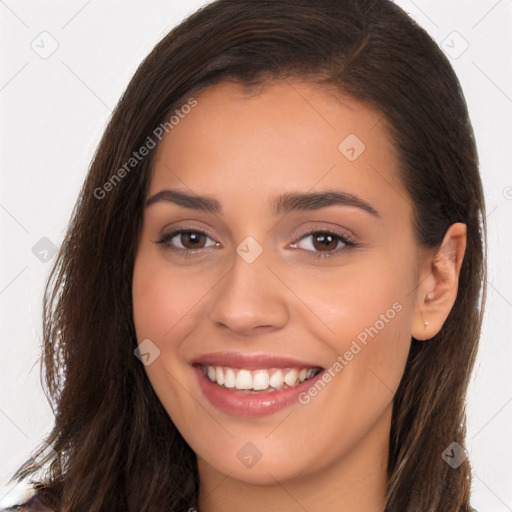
{"points": [[349, 243]]}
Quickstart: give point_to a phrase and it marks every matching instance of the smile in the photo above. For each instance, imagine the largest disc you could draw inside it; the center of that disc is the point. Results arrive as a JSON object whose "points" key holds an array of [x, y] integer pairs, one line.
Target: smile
{"points": [[259, 380]]}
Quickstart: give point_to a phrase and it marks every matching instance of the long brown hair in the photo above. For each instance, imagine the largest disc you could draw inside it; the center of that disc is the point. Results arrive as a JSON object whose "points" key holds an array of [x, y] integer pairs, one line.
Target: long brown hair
{"points": [[116, 447]]}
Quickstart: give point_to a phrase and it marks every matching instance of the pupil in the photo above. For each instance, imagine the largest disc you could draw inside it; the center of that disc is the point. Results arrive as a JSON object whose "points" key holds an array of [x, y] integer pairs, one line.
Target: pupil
{"points": [[326, 240], [191, 237]]}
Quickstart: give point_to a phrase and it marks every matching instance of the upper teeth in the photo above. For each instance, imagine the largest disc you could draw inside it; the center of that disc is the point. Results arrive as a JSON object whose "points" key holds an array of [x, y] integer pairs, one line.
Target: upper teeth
{"points": [[258, 380]]}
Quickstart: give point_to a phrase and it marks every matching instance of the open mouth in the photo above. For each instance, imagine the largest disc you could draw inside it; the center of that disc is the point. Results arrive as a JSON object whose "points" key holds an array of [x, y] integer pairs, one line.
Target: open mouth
{"points": [[257, 381]]}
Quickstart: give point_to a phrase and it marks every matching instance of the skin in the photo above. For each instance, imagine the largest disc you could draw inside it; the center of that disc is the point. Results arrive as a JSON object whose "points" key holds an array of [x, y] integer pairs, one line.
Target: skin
{"points": [[243, 148]]}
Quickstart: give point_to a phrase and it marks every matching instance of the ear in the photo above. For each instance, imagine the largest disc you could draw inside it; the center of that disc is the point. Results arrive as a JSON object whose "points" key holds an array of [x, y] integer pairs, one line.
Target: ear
{"points": [[438, 283]]}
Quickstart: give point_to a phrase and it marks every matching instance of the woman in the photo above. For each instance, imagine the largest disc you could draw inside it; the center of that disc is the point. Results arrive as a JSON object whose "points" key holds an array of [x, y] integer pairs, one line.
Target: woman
{"points": [[271, 291]]}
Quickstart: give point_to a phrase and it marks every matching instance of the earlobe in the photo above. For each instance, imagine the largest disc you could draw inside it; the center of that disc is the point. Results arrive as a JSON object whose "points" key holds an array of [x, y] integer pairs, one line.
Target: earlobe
{"points": [[439, 280]]}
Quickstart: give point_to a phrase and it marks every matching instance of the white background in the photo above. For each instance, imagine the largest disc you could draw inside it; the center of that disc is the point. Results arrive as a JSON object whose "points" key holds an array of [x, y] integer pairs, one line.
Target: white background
{"points": [[53, 113]]}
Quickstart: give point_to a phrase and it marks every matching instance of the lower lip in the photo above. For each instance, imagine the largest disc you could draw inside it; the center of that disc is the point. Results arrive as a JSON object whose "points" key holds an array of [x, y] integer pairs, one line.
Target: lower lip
{"points": [[250, 405]]}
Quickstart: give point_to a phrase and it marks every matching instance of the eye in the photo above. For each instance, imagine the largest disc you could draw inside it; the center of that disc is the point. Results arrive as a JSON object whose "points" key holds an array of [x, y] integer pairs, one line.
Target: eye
{"points": [[326, 244], [323, 244], [186, 241]]}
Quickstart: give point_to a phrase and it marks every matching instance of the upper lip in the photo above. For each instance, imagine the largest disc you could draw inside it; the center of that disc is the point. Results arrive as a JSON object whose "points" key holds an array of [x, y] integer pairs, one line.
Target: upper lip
{"points": [[251, 361]]}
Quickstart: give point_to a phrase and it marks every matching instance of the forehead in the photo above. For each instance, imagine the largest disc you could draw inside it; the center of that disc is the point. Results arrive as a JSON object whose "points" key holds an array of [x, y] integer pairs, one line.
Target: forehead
{"points": [[247, 145]]}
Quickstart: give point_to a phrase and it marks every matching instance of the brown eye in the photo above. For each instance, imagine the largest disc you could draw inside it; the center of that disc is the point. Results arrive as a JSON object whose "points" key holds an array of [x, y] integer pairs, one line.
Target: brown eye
{"points": [[324, 241], [186, 241], [325, 244], [192, 239]]}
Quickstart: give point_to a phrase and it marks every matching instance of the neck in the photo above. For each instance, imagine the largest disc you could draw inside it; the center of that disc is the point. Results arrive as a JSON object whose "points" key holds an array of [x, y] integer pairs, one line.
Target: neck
{"points": [[354, 483]]}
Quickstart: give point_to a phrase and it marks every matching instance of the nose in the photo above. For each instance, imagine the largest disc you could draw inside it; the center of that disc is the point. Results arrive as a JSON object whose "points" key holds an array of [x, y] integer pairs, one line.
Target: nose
{"points": [[250, 298]]}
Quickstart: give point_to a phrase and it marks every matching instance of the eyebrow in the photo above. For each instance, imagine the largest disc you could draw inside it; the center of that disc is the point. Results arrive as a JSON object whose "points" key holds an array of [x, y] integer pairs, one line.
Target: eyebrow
{"points": [[285, 203]]}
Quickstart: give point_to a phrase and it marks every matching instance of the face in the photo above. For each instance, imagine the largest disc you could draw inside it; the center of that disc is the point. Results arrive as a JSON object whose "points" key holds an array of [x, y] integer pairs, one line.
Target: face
{"points": [[273, 280]]}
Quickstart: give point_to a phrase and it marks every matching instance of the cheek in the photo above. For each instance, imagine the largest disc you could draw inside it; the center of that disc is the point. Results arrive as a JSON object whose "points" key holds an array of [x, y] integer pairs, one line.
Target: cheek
{"points": [[369, 336], [364, 315], [369, 294], [163, 298], [162, 305]]}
